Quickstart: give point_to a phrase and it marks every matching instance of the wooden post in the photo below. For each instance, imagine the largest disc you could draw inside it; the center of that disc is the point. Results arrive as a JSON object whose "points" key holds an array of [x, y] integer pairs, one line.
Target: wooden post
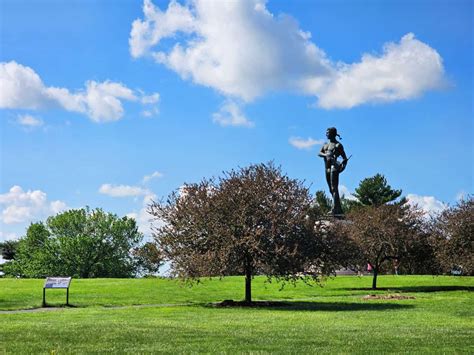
{"points": [[44, 297], [67, 297]]}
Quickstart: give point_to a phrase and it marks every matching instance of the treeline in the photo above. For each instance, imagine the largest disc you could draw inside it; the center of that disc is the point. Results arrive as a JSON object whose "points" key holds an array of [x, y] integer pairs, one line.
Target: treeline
{"points": [[383, 233], [252, 221], [81, 243]]}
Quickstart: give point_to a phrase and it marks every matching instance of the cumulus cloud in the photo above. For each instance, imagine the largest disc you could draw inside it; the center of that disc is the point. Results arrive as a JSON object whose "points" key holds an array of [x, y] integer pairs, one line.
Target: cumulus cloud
{"points": [[429, 204], [19, 206], [272, 53], [154, 175], [29, 121], [122, 190], [142, 216], [302, 143], [405, 70], [231, 115], [22, 88]]}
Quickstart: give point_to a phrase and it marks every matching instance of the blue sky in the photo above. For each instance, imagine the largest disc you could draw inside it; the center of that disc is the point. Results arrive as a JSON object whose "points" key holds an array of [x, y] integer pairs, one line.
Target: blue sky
{"points": [[97, 95]]}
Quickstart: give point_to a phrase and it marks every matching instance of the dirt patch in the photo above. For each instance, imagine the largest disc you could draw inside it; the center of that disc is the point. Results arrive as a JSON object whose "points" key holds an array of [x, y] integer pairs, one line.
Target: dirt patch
{"points": [[388, 297], [255, 304]]}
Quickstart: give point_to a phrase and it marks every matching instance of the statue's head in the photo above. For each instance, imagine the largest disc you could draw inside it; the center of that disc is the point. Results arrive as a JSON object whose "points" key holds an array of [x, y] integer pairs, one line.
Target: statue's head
{"points": [[331, 132]]}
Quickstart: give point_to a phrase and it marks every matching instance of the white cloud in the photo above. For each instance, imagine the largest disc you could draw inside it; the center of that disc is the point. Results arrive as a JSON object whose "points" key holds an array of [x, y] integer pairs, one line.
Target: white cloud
{"points": [[57, 206], [19, 206], [150, 99], [158, 25], [122, 190], [22, 88], [151, 102], [142, 216], [29, 121], [103, 100], [154, 175], [7, 236], [404, 71], [344, 191], [273, 54], [231, 115], [301, 143], [428, 204], [154, 111]]}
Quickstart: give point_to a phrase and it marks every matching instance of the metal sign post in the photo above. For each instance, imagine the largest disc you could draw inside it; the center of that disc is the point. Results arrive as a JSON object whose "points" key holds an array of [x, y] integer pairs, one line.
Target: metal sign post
{"points": [[56, 282]]}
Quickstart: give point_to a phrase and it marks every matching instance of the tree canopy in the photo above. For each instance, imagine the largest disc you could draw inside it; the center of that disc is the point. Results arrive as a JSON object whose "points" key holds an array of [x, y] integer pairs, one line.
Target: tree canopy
{"points": [[250, 221], [322, 202], [453, 237], [79, 243], [382, 233], [8, 249], [375, 191]]}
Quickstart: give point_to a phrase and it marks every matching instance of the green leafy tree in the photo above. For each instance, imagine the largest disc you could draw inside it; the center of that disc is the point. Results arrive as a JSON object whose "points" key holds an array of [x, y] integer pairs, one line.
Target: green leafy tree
{"points": [[80, 243], [349, 204], [34, 254], [375, 191], [251, 221], [8, 249], [322, 202]]}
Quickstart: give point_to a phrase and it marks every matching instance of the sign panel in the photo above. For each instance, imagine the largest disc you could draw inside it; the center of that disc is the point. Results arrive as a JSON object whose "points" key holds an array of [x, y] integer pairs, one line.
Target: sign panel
{"points": [[57, 282]]}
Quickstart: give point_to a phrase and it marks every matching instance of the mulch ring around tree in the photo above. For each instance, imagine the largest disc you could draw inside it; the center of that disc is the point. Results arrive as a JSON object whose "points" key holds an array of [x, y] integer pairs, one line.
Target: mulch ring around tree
{"points": [[254, 304], [388, 297]]}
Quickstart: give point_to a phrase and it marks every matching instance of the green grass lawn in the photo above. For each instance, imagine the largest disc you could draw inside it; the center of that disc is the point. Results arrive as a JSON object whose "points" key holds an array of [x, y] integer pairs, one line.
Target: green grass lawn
{"points": [[154, 315]]}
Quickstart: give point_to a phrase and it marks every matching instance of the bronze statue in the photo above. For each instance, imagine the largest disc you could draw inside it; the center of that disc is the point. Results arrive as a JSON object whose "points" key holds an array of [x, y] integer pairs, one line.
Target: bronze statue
{"points": [[330, 151]]}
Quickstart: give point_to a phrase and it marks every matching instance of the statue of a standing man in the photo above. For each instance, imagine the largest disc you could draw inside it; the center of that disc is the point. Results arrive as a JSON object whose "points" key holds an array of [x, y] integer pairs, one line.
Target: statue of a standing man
{"points": [[330, 151]]}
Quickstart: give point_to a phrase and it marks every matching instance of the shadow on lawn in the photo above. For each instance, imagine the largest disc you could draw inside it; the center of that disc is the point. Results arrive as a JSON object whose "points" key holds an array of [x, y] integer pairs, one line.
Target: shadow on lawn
{"points": [[316, 306], [338, 307], [414, 288]]}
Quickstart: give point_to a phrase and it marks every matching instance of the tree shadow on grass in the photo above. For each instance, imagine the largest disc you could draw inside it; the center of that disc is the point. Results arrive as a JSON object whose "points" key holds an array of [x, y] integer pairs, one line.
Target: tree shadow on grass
{"points": [[340, 307], [59, 305], [315, 306], [414, 288]]}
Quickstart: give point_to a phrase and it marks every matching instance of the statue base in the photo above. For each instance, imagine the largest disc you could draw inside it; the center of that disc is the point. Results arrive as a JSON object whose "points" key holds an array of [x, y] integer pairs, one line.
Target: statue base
{"points": [[336, 215]]}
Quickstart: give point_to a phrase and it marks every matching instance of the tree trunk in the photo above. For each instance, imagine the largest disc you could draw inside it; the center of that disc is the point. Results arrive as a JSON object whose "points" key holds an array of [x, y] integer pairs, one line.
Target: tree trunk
{"points": [[248, 284], [374, 280]]}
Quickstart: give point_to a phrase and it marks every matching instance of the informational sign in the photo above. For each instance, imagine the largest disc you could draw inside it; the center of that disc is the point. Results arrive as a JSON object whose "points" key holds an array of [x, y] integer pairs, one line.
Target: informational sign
{"points": [[57, 282]]}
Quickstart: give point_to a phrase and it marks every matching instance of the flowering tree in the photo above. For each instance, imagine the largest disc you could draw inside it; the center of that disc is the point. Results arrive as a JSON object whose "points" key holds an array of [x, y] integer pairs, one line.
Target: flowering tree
{"points": [[250, 221]]}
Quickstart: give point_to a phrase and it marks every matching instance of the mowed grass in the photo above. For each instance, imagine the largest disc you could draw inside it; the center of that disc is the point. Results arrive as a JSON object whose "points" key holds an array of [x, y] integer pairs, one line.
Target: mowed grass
{"points": [[154, 315]]}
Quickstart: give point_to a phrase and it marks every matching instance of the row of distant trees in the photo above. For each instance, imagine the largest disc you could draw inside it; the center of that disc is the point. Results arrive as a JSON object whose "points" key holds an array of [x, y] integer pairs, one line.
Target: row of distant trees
{"points": [[252, 221], [81, 243]]}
